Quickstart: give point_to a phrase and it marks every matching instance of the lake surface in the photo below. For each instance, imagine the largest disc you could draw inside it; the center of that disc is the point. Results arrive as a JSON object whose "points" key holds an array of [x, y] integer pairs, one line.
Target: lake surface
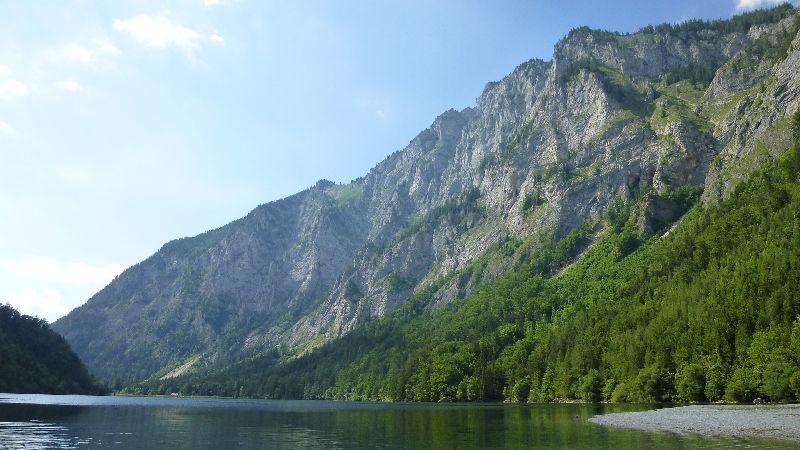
{"points": [[51, 421]]}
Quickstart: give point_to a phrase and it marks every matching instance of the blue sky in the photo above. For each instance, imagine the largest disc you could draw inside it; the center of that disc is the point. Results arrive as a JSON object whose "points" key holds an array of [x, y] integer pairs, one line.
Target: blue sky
{"points": [[126, 124]]}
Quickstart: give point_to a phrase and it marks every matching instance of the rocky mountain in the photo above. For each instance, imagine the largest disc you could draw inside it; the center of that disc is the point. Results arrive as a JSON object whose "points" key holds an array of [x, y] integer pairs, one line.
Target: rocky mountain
{"points": [[35, 359], [612, 119]]}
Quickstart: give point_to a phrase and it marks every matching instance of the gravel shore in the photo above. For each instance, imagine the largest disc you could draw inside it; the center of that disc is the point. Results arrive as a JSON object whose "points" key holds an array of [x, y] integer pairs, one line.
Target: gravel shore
{"points": [[768, 421]]}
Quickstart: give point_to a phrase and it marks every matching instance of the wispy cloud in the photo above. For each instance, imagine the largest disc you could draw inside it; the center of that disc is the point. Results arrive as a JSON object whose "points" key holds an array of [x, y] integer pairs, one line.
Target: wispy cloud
{"points": [[6, 130], [68, 85], [10, 87], [98, 53], [214, 3], [42, 302], [107, 48], [51, 270], [749, 5], [214, 37], [13, 88], [159, 32], [49, 288], [71, 53]]}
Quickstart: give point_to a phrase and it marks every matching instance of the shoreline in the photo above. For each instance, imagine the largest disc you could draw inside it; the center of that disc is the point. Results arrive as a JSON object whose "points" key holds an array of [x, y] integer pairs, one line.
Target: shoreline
{"points": [[759, 421]]}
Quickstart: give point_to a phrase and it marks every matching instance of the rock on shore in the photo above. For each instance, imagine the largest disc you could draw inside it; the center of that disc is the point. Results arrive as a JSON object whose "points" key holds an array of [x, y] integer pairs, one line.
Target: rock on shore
{"points": [[769, 421]]}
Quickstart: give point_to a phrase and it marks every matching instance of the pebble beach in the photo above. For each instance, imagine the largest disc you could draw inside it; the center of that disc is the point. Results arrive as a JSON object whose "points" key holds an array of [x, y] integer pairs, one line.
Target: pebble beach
{"points": [[767, 421]]}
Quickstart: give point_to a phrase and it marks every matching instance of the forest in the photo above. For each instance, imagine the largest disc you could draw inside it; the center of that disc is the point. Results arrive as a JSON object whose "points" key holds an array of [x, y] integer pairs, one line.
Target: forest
{"points": [[704, 310], [35, 359]]}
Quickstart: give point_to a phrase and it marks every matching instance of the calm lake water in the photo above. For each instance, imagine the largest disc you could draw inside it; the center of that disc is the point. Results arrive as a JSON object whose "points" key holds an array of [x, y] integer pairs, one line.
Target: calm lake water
{"points": [[50, 421]]}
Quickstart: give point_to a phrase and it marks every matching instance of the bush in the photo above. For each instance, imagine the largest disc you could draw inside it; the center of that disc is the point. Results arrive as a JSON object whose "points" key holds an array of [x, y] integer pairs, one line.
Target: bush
{"points": [[520, 391], [622, 393], [776, 378], [653, 384], [627, 242], [690, 383], [590, 386], [608, 389], [794, 383], [742, 386], [716, 379]]}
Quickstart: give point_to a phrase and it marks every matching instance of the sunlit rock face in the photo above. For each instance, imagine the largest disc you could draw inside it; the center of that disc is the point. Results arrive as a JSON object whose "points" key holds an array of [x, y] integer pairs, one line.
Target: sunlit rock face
{"points": [[609, 119]]}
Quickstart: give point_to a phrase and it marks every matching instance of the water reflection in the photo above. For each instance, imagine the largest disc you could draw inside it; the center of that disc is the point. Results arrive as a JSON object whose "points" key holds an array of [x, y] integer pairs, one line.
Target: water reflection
{"points": [[36, 435], [208, 423]]}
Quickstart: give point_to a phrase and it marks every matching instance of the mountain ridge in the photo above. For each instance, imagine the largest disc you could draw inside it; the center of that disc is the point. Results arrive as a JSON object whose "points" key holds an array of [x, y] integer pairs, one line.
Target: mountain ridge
{"points": [[552, 143]]}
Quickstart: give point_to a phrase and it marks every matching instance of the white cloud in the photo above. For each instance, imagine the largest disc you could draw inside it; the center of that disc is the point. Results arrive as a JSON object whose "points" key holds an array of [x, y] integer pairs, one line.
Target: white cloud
{"points": [[97, 54], [748, 5], [42, 302], [71, 53], [7, 130], [13, 87], [210, 3], [51, 270], [214, 37], [108, 49], [68, 85], [159, 32]]}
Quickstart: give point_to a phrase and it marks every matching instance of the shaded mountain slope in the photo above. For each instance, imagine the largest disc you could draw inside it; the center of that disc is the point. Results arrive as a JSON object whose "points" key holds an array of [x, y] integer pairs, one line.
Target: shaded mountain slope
{"points": [[35, 359]]}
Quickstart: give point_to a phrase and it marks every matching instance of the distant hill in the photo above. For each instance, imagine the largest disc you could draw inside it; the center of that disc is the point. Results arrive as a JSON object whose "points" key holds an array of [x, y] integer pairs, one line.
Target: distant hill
{"points": [[35, 359]]}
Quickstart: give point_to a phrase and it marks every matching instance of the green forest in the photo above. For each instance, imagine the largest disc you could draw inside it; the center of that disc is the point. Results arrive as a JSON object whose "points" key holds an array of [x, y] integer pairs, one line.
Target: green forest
{"points": [[35, 359], [704, 310]]}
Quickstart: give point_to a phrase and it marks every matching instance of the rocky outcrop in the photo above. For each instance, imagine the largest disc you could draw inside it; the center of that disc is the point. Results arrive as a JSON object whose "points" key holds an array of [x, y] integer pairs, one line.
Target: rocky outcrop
{"points": [[611, 118]]}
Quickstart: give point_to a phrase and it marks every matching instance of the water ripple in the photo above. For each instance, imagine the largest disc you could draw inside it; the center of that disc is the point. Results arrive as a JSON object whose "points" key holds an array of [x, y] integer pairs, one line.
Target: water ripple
{"points": [[35, 434]]}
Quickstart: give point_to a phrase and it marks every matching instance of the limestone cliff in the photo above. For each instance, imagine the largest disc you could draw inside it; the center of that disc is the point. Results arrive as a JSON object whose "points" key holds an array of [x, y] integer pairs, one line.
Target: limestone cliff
{"points": [[611, 118]]}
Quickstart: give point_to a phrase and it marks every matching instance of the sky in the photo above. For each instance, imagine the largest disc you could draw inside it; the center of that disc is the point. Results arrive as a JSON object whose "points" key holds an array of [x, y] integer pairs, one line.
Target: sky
{"points": [[126, 124]]}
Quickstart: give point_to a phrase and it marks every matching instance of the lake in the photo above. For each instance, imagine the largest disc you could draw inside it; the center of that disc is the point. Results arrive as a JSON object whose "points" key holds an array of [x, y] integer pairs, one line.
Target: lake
{"points": [[67, 421]]}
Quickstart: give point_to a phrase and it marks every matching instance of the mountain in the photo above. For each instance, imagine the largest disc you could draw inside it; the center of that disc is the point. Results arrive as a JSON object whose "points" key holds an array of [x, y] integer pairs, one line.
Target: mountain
{"points": [[640, 122], [703, 312], [36, 359]]}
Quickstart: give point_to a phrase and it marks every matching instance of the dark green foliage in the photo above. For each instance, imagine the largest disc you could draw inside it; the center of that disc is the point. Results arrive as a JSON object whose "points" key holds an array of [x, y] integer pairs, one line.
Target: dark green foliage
{"points": [[773, 49], [796, 126], [457, 213], [590, 388], [690, 383], [618, 214], [793, 158], [794, 383], [736, 24], [575, 68], [34, 359], [695, 73], [532, 200], [626, 241], [684, 197], [599, 36]]}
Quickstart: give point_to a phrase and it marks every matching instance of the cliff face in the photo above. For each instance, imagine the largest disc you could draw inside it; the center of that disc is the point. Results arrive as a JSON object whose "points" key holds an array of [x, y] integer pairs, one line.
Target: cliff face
{"points": [[610, 118]]}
